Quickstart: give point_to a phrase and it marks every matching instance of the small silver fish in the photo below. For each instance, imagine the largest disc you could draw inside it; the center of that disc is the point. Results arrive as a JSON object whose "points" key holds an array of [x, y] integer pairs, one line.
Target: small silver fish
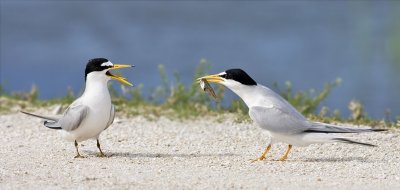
{"points": [[207, 88]]}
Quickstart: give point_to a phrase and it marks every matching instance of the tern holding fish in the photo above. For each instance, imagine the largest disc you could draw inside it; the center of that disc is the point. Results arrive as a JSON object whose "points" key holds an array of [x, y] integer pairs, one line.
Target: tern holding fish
{"points": [[207, 88], [274, 114], [93, 112]]}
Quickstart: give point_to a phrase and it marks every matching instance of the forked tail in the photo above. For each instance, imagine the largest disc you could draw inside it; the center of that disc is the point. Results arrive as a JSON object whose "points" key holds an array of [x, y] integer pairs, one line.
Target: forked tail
{"points": [[344, 140], [50, 122]]}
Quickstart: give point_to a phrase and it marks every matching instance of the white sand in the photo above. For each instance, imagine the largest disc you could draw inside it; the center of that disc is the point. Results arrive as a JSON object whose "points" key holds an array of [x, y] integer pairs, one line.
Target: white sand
{"points": [[200, 154]]}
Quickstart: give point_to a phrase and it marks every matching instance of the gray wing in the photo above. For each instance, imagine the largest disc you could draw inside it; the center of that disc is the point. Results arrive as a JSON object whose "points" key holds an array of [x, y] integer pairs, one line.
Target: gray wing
{"points": [[112, 116], [318, 127], [277, 120], [73, 117]]}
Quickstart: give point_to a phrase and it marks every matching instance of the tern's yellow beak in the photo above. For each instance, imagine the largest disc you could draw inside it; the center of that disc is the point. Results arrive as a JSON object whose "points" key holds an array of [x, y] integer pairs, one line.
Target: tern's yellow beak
{"points": [[212, 78], [119, 78]]}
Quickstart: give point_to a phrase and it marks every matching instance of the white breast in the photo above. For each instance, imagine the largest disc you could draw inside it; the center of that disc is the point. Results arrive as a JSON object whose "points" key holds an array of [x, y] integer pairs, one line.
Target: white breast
{"points": [[97, 98]]}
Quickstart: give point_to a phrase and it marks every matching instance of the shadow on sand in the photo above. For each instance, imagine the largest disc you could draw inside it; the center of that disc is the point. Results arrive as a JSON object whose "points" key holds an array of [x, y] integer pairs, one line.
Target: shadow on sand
{"points": [[345, 159], [194, 155], [160, 155]]}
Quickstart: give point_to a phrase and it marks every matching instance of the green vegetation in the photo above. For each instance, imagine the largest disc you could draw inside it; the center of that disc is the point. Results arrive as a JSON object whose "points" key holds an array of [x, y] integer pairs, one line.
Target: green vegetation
{"points": [[189, 101], [306, 102]]}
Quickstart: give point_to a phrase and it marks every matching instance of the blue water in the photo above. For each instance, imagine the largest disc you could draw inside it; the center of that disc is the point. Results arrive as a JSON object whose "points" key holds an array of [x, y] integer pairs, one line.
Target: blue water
{"points": [[309, 43]]}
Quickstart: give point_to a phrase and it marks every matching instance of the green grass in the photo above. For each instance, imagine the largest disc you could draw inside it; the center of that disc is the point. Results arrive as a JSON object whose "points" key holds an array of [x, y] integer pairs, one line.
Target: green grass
{"points": [[189, 101], [306, 102]]}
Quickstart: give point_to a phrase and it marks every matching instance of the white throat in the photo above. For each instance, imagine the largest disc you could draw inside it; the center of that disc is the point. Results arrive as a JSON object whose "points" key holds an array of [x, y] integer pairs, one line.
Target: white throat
{"points": [[247, 93], [96, 84]]}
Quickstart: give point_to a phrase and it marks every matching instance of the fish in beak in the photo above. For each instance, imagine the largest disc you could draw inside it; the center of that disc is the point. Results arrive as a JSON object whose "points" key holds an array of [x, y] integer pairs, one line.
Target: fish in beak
{"points": [[206, 86], [119, 78], [211, 78]]}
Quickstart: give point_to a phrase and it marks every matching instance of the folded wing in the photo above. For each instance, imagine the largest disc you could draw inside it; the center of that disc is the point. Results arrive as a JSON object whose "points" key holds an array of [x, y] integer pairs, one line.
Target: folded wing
{"points": [[278, 120], [73, 117], [318, 127]]}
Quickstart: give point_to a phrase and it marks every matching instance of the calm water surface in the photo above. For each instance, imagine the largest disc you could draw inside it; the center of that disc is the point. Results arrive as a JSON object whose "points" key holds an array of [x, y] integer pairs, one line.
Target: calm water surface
{"points": [[308, 43]]}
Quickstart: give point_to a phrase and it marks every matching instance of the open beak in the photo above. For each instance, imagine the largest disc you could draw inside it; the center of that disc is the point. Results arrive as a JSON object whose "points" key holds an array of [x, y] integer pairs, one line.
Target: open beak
{"points": [[212, 78], [119, 78]]}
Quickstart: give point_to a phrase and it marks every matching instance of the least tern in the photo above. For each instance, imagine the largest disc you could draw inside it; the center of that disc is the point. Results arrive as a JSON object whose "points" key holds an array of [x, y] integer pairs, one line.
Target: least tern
{"points": [[93, 112], [274, 114]]}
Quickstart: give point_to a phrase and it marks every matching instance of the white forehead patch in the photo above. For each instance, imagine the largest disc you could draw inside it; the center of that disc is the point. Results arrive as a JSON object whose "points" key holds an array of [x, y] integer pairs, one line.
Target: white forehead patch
{"points": [[108, 63], [222, 73]]}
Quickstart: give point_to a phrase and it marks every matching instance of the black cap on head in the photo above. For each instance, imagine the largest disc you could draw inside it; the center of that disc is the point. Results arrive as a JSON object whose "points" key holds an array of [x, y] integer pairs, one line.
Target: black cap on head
{"points": [[96, 65], [240, 76]]}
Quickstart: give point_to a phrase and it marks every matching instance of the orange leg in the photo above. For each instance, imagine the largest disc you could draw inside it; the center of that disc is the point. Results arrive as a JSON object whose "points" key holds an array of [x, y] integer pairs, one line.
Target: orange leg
{"points": [[284, 157], [262, 157]]}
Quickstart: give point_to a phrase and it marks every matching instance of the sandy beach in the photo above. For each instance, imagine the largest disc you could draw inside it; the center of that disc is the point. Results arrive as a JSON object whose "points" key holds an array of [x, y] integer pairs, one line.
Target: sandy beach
{"points": [[212, 153]]}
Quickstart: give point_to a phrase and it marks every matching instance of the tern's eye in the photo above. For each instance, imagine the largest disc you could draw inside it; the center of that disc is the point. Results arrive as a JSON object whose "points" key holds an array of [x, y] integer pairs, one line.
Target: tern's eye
{"points": [[223, 76]]}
